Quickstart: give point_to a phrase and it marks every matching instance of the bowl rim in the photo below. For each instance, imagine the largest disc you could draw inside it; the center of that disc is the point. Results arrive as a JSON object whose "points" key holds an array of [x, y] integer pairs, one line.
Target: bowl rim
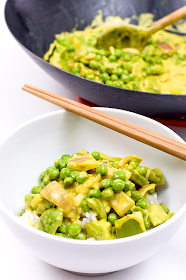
{"points": [[111, 242]]}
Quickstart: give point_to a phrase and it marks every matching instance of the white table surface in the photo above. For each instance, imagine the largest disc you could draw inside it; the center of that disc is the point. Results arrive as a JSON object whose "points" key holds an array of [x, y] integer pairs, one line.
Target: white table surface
{"points": [[16, 107]]}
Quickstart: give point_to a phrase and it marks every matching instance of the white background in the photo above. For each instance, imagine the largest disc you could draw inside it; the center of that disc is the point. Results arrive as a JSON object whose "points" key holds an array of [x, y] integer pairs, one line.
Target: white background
{"points": [[16, 107]]}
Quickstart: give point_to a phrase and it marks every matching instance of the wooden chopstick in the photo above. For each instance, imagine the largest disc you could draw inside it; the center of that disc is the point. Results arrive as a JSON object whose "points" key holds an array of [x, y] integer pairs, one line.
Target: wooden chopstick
{"points": [[141, 134]]}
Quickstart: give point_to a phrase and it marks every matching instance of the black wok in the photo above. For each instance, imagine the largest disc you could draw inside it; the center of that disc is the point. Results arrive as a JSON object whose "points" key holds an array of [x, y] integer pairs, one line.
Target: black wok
{"points": [[34, 23]]}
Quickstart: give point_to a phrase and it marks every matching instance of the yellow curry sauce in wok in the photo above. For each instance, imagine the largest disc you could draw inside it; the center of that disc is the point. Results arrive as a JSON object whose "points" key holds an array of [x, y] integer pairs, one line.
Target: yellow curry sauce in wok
{"points": [[160, 67]]}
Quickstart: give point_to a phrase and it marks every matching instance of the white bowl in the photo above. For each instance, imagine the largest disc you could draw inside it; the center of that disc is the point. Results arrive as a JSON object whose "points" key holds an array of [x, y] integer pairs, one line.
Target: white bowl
{"points": [[34, 146]]}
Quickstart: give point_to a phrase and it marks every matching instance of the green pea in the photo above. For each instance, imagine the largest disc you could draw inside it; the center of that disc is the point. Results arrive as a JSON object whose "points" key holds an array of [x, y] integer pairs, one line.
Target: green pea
{"points": [[128, 67], [49, 169], [46, 180], [125, 78], [106, 183], [165, 56], [96, 155], [118, 71], [109, 83], [78, 74], [80, 236], [65, 172], [126, 87], [102, 52], [142, 203], [94, 193], [107, 193], [147, 223], [68, 236], [58, 50], [118, 53], [119, 175], [68, 181], [74, 174], [112, 58], [114, 163], [103, 68], [112, 217], [148, 71], [71, 48], [35, 190], [128, 213], [134, 163], [60, 40], [126, 72], [98, 57], [127, 57], [127, 186], [60, 234], [142, 171], [82, 177], [54, 174], [75, 70], [135, 195], [43, 174], [63, 228], [93, 64], [118, 84], [143, 55], [151, 191], [105, 76], [131, 77], [59, 163], [65, 157], [102, 169], [73, 229], [118, 185], [114, 77], [41, 185], [84, 205], [165, 208], [149, 41], [90, 77], [158, 60]]}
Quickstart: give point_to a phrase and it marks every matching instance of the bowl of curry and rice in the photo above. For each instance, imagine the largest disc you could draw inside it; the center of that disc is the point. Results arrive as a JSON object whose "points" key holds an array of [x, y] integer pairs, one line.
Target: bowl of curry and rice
{"points": [[87, 193]]}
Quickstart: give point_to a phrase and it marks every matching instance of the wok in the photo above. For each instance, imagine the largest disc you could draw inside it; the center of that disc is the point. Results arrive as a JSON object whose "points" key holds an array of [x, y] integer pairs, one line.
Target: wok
{"points": [[34, 23]]}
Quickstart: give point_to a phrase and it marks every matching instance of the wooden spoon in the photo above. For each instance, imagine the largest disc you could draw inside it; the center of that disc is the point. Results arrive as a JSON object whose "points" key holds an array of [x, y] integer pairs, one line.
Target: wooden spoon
{"points": [[134, 36]]}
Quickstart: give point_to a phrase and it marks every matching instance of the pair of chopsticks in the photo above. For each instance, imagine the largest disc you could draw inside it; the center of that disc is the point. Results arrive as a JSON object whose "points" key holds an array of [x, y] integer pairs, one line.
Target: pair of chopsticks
{"points": [[131, 130]]}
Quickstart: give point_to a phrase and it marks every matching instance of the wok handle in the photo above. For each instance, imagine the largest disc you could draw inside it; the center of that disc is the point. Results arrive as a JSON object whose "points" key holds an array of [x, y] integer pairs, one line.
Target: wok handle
{"points": [[171, 18]]}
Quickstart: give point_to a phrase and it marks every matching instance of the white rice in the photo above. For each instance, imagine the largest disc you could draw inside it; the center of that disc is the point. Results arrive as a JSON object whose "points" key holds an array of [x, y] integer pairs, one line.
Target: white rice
{"points": [[153, 198], [30, 218], [90, 216]]}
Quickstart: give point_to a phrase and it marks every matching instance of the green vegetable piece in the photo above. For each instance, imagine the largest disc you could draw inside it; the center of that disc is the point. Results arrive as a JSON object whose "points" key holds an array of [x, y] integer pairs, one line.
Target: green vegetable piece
{"points": [[50, 220], [142, 171], [100, 230], [84, 205], [118, 53], [118, 185], [97, 206], [109, 83], [80, 236], [96, 155], [142, 203], [46, 180], [134, 163], [65, 157], [65, 172], [105, 77], [125, 78], [60, 234], [94, 193], [102, 169], [59, 163], [68, 182], [165, 208], [112, 58], [54, 174], [119, 175], [156, 176], [73, 229], [112, 217], [93, 64], [103, 68], [49, 169], [35, 190], [106, 183], [114, 77], [157, 215], [62, 228], [136, 177], [135, 195], [74, 174], [129, 225], [43, 174], [107, 193], [128, 185], [82, 177]]}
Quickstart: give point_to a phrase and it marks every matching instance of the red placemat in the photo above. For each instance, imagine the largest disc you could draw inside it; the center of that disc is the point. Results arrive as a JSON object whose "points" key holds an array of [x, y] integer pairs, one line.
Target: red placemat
{"points": [[180, 121]]}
